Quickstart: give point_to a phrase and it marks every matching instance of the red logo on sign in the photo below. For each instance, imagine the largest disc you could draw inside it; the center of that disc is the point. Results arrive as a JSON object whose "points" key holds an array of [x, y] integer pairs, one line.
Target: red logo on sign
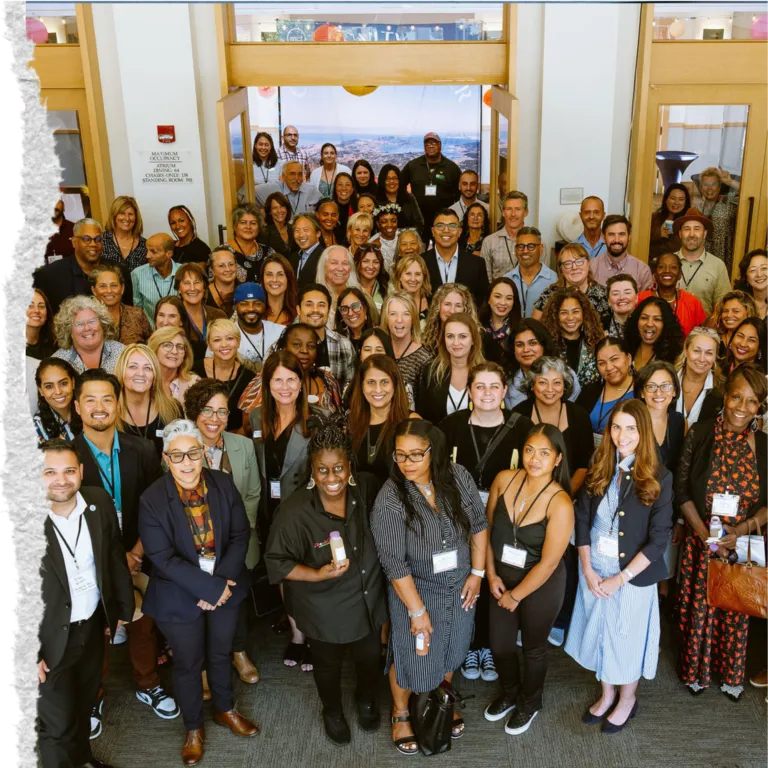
{"points": [[166, 134]]}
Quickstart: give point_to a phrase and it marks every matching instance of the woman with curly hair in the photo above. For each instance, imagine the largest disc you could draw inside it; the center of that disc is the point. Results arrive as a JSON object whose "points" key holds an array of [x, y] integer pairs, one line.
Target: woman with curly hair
{"points": [[446, 300], [56, 416], [386, 216], [474, 227], [85, 334], [653, 333], [576, 329], [728, 313], [372, 272]]}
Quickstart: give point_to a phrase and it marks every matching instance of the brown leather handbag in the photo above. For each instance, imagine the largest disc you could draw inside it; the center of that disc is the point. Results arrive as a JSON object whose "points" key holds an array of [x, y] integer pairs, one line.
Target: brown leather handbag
{"points": [[742, 587]]}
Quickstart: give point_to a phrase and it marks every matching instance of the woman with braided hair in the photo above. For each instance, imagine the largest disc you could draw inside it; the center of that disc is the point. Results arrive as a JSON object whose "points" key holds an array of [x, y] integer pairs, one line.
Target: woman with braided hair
{"points": [[348, 614]]}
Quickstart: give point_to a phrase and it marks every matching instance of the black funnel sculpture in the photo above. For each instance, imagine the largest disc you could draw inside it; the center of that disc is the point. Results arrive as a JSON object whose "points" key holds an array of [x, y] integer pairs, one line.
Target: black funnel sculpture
{"points": [[672, 163]]}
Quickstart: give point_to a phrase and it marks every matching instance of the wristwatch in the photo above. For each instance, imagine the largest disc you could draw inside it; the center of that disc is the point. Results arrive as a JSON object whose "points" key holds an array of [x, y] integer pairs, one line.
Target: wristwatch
{"points": [[629, 574], [475, 572]]}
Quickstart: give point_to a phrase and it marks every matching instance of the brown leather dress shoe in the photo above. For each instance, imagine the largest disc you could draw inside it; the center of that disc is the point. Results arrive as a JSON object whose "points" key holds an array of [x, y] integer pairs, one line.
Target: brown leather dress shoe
{"points": [[192, 751], [206, 689], [246, 669], [236, 723]]}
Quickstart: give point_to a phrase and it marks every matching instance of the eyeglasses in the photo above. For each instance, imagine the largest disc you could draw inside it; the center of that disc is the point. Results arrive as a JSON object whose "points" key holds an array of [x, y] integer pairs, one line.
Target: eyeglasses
{"points": [[176, 457], [87, 239], [666, 387], [221, 413], [440, 227], [354, 308], [414, 458], [526, 247], [92, 322], [573, 263], [169, 346]]}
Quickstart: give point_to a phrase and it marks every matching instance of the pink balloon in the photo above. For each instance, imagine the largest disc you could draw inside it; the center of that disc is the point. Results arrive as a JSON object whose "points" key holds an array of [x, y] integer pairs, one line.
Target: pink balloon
{"points": [[759, 28], [36, 31]]}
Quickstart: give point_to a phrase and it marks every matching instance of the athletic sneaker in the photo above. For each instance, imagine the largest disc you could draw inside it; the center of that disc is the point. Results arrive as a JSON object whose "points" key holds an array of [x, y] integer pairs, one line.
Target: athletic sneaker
{"points": [[162, 704], [471, 666], [499, 708], [487, 667], [96, 724], [556, 636], [519, 722], [120, 636]]}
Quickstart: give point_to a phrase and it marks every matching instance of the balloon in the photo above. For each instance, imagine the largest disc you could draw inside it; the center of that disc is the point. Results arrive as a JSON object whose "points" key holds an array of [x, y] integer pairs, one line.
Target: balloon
{"points": [[677, 28], [267, 91], [759, 28], [36, 31], [487, 98], [328, 33], [360, 90]]}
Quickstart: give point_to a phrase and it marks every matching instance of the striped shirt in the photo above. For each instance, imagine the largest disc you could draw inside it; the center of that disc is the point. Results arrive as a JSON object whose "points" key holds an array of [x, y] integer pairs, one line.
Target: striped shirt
{"points": [[499, 253], [300, 155], [113, 254], [149, 286], [109, 355]]}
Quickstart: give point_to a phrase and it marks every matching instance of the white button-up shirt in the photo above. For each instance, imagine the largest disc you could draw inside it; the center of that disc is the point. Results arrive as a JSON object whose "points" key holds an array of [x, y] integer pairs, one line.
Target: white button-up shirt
{"points": [[448, 269]]}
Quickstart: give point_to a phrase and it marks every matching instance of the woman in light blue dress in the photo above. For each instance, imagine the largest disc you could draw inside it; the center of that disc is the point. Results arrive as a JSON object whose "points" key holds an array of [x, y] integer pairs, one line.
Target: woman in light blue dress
{"points": [[623, 526]]}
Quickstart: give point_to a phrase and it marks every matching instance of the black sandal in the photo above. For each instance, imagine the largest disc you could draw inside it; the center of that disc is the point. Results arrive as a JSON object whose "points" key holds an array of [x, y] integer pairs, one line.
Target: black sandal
{"points": [[295, 653], [400, 743], [458, 722], [306, 658]]}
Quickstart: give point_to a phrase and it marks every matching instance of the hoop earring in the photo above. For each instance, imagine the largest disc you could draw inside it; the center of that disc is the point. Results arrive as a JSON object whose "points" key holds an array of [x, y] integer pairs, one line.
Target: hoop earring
{"points": [[351, 482], [311, 483]]}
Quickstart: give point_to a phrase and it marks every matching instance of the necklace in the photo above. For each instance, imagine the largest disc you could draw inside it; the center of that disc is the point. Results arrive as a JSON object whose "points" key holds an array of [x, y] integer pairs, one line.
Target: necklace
{"points": [[425, 489]]}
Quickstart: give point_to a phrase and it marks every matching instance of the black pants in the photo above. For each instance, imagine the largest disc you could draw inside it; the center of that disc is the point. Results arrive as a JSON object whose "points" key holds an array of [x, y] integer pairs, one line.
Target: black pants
{"points": [[534, 617], [480, 637], [571, 559], [241, 628], [205, 641], [67, 695], [327, 659]]}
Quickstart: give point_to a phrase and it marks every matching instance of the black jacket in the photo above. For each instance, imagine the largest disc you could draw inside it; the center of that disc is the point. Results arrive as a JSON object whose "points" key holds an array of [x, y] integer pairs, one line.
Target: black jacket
{"points": [[470, 272], [444, 175], [309, 270], [139, 468], [178, 582], [431, 397], [641, 528], [272, 239], [112, 576]]}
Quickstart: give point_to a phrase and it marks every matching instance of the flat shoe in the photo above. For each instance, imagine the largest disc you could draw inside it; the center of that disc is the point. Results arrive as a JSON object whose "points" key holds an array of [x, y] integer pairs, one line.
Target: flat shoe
{"points": [[458, 722], [590, 719], [609, 727]]}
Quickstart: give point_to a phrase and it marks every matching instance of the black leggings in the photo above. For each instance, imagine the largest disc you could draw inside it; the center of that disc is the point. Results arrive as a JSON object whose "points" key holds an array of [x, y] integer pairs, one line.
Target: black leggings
{"points": [[327, 659], [534, 616]]}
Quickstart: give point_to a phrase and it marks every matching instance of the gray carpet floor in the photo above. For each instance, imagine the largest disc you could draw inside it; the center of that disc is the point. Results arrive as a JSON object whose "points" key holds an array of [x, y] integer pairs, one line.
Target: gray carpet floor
{"points": [[672, 728]]}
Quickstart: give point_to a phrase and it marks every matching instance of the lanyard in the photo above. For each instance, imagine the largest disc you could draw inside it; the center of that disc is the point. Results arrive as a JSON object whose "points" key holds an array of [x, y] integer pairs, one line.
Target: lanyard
{"points": [[295, 206], [559, 416], [228, 382], [200, 533], [205, 324], [109, 482], [372, 452], [248, 339], [142, 430], [488, 448], [101, 357], [64, 541], [693, 276], [223, 451], [509, 253], [157, 288], [264, 176], [461, 399], [602, 404], [515, 526], [410, 344]]}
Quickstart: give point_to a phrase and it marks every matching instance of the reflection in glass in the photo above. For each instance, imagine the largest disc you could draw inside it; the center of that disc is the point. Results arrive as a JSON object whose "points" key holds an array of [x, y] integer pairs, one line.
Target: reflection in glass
{"points": [[725, 21], [238, 158], [51, 23], [699, 160], [68, 146], [503, 176]]}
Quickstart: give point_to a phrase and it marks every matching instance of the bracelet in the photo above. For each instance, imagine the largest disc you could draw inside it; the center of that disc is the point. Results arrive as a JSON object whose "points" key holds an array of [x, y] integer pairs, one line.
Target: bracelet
{"points": [[629, 573], [418, 613], [513, 597], [476, 572]]}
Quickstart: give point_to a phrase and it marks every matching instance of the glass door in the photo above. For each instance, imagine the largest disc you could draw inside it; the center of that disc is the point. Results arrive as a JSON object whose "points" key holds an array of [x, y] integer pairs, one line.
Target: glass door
{"points": [[504, 111], [235, 148]]}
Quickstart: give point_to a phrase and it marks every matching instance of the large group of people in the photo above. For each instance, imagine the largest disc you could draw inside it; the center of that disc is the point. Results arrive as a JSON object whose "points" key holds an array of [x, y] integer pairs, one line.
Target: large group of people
{"points": [[434, 447]]}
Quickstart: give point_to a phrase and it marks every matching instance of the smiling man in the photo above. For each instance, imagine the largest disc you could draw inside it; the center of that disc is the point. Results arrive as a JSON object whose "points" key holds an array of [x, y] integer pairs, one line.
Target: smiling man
{"points": [[302, 195], [498, 249], [291, 152], [308, 249], [615, 259], [530, 276], [154, 280], [592, 213], [256, 335]]}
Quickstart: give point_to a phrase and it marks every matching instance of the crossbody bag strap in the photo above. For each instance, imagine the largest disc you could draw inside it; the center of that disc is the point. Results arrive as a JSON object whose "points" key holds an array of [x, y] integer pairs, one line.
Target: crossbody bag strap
{"points": [[508, 426]]}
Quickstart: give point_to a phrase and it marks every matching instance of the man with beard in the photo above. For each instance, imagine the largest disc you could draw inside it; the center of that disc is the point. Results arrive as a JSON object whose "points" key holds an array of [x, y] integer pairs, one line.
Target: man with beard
{"points": [[60, 244], [154, 281], [615, 260], [592, 213], [302, 195], [124, 466], [86, 586], [703, 274], [290, 151], [256, 335]]}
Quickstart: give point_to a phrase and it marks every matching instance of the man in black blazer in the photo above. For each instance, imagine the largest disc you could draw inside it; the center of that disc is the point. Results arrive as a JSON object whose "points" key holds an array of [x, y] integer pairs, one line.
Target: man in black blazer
{"points": [[124, 466], [85, 586], [447, 263], [307, 248]]}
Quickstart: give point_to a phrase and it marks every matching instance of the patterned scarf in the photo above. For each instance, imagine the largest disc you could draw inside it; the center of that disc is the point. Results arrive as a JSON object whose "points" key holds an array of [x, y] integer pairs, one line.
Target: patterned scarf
{"points": [[199, 515]]}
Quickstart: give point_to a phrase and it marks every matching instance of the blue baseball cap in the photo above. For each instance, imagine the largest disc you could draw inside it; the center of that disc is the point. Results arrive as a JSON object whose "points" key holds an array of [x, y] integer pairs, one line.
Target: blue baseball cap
{"points": [[248, 291]]}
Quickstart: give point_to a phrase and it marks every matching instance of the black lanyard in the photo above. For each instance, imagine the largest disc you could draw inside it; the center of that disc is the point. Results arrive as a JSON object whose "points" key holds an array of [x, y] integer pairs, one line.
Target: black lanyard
{"points": [[559, 416], [693, 276], [515, 526], [509, 253], [248, 339], [64, 541], [157, 288], [298, 198], [371, 453], [461, 399], [142, 430], [410, 344], [488, 448], [602, 403]]}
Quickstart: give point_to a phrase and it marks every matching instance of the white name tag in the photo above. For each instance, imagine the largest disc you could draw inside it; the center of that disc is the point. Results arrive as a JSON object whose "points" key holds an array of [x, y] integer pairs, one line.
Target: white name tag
{"points": [[484, 496], [513, 556], [206, 564], [274, 489], [597, 438], [158, 433], [430, 190], [725, 504], [120, 519], [445, 561], [608, 547], [313, 399], [257, 435], [82, 582]]}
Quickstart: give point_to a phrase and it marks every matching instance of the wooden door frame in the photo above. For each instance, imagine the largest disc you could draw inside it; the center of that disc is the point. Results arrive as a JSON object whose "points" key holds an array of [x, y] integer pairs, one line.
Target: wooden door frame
{"points": [[229, 108]]}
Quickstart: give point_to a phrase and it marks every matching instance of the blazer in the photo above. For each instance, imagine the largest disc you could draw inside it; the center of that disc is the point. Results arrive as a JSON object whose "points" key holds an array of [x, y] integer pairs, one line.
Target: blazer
{"points": [[309, 270], [139, 468], [696, 465], [431, 397], [177, 582], [245, 473], [470, 271], [641, 528], [112, 576]]}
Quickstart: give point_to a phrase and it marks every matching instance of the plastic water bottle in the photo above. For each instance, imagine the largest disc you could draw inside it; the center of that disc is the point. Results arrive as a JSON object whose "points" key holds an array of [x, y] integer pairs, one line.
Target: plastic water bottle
{"points": [[715, 531], [337, 548]]}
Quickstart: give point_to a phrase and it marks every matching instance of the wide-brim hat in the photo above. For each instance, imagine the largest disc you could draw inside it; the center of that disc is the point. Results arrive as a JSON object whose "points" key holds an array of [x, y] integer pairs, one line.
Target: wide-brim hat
{"points": [[692, 214]]}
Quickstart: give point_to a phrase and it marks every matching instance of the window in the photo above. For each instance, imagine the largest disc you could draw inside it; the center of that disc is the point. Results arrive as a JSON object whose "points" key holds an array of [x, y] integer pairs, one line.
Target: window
{"points": [[718, 21], [51, 23]]}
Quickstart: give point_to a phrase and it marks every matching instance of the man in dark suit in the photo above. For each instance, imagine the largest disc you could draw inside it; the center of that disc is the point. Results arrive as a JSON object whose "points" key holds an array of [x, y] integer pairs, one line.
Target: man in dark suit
{"points": [[308, 247], [125, 466], [447, 263], [85, 586]]}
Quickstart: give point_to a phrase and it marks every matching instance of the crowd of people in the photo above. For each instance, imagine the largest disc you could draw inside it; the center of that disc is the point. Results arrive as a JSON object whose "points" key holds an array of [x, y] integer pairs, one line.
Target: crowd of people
{"points": [[426, 444]]}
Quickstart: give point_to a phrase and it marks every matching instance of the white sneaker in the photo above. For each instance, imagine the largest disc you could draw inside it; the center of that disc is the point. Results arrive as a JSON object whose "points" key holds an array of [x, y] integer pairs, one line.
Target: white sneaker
{"points": [[121, 635], [161, 702], [96, 723], [487, 667]]}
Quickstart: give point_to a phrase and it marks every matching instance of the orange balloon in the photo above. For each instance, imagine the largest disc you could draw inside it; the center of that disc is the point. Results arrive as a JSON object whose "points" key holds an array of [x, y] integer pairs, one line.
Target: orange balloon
{"points": [[267, 91], [360, 90], [328, 33], [487, 98]]}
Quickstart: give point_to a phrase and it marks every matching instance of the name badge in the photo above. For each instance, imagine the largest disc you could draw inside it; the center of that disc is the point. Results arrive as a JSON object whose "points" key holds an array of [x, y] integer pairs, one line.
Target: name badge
{"points": [[430, 190], [274, 489], [158, 433], [313, 399], [257, 435], [597, 438], [608, 547], [725, 504], [207, 563], [82, 582], [484, 496], [513, 556], [445, 561]]}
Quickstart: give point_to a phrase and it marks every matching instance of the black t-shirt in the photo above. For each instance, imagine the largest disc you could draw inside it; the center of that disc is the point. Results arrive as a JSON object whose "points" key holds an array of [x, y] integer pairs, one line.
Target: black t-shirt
{"points": [[196, 250], [572, 352], [274, 458], [378, 465], [152, 432], [322, 359]]}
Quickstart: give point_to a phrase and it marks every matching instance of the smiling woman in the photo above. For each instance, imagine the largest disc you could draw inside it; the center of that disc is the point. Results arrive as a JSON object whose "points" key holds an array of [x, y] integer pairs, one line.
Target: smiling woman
{"points": [[107, 286]]}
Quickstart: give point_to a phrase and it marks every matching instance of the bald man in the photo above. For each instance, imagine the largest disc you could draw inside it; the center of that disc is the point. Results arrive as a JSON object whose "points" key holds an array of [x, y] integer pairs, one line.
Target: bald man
{"points": [[592, 213], [290, 150], [154, 280]]}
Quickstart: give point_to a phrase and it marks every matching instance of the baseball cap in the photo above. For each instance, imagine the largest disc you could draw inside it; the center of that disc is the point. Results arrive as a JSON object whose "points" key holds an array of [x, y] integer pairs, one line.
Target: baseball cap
{"points": [[432, 136], [247, 291]]}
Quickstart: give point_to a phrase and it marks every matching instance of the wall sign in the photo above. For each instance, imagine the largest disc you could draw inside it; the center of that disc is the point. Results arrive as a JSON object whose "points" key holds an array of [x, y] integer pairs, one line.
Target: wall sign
{"points": [[166, 134], [571, 195], [165, 166]]}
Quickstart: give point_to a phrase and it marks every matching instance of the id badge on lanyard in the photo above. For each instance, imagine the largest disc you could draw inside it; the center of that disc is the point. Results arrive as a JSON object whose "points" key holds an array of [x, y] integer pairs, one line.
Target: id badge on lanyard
{"points": [[430, 190], [207, 563], [484, 496], [725, 504], [513, 556], [445, 561], [82, 582], [274, 489], [608, 547]]}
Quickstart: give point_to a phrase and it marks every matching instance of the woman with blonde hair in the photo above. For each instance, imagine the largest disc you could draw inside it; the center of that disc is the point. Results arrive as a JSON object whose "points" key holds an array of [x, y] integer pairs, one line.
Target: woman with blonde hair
{"points": [[143, 407], [85, 334], [701, 379], [412, 276], [443, 385], [122, 238], [175, 357], [447, 299], [359, 229]]}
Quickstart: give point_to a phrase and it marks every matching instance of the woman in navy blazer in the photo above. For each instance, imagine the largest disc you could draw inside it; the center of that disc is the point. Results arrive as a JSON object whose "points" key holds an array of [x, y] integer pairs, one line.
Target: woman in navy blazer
{"points": [[195, 532]]}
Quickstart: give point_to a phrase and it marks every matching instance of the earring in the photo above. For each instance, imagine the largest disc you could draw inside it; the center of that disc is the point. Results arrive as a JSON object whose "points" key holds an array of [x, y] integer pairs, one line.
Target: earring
{"points": [[753, 424], [502, 404], [311, 483], [471, 406], [351, 481]]}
